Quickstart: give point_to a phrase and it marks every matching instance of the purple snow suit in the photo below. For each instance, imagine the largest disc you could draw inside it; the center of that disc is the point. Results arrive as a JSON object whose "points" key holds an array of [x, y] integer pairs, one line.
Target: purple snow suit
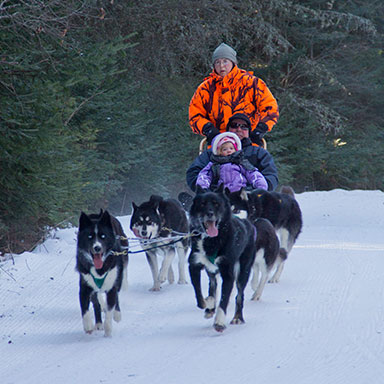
{"points": [[234, 175]]}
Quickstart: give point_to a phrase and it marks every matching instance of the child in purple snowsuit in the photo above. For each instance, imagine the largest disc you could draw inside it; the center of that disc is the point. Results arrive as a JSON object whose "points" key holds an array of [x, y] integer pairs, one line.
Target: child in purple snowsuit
{"points": [[228, 167]]}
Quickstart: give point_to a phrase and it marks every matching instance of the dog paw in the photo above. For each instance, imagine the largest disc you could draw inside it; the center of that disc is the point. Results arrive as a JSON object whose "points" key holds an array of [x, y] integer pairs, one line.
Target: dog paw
{"points": [[256, 297], [182, 282], [219, 327], [273, 280], [154, 289], [117, 316], [219, 323], [88, 323], [99, 326], [236, 320], [209, 313]]}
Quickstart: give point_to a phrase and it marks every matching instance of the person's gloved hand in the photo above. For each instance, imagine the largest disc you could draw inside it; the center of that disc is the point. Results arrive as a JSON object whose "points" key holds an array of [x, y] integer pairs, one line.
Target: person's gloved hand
{"points": [[258, 133], [210, 131]]}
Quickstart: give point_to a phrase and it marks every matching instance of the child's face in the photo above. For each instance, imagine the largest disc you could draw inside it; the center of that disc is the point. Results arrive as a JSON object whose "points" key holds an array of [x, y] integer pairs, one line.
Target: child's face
{"points": [[227, 149]]}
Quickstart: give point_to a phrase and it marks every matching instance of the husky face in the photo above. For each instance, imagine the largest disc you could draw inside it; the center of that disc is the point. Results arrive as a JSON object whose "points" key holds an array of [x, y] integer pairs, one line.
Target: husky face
{"points": [[208, 211], [145, 221], [247, 205], [96, 238], [256, 202], [239, 203]]}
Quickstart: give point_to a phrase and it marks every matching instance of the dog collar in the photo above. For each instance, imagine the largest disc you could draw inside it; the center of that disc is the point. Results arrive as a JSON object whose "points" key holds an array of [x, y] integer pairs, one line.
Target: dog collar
{"points": [[99, 281]]}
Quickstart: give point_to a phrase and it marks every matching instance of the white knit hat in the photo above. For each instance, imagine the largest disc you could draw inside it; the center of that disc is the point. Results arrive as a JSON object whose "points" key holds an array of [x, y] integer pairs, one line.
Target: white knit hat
{"points": [[224, 51], [226, 137]]}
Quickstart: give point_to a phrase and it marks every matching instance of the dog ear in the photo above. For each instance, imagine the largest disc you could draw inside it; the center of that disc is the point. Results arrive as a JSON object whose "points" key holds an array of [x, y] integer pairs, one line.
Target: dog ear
{"points": [[155, 204], [155, 201], [84, 221], [134, 206], [243, 194], [199, 190], [220, 188], [227, 191], [106, 218]]}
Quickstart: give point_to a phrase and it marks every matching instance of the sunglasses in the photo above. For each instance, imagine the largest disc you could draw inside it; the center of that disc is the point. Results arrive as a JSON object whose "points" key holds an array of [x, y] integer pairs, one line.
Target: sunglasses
{"points": [[238, 125]]}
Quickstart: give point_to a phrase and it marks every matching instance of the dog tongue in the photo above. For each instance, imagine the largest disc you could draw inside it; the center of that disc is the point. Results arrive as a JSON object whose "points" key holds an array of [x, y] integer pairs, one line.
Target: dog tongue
{"points": [[97, 260], [212, 230]]}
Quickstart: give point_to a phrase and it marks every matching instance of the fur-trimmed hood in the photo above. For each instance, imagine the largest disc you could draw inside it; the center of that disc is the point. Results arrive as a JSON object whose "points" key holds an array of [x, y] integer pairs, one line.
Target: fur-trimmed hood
{"points": [[226, 137]]}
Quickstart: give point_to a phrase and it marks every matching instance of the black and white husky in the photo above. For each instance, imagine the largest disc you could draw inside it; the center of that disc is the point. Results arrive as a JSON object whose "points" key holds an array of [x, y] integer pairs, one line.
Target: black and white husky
{"points": [[101, 261], [222, 244], [281, 209], [161, 218]]}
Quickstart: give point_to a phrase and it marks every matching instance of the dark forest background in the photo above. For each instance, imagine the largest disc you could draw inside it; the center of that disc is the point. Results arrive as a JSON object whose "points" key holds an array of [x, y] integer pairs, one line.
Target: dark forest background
{"points": [[94, 99]]}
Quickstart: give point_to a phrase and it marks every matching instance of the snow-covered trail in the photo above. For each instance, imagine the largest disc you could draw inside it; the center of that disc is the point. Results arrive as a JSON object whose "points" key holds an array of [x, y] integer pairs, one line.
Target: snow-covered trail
{"points": [[323, 323]]}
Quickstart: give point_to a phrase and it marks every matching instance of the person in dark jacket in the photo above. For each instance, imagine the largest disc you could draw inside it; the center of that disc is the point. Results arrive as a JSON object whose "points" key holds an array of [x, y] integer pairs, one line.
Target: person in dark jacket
{"points": [[257, 156], [228, 167]]}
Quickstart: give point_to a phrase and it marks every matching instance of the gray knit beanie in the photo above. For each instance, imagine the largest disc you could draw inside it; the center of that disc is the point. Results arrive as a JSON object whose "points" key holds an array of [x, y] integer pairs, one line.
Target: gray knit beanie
{"points": [[224, 51]]}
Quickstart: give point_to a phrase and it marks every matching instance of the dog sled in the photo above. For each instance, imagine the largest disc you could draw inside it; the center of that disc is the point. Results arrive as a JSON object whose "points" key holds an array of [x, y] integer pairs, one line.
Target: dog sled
{"points": [[186, 198]]}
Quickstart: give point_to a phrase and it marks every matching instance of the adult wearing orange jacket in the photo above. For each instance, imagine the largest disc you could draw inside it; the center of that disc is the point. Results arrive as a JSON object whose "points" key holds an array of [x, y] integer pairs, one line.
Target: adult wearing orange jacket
{"points": [[229, 90]]}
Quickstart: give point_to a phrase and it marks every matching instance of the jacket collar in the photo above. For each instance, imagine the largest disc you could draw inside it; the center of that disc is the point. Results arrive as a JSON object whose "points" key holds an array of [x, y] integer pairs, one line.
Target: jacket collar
{"points": [[226, 79], [246, 142], [230, 78]]}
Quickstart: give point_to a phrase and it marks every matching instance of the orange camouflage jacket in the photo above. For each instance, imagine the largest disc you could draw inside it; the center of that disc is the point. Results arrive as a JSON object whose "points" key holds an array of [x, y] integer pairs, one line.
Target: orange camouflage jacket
{"points": [[218, 98]]}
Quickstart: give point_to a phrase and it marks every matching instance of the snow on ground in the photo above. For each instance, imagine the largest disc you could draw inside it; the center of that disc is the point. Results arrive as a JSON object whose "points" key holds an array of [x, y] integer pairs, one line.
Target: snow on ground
{"points": [[323, 323]]}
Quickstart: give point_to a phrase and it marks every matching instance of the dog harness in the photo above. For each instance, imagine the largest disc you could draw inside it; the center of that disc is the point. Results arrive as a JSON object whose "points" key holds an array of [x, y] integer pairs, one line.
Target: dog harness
{"points": [[99, 281], [213, 257]]}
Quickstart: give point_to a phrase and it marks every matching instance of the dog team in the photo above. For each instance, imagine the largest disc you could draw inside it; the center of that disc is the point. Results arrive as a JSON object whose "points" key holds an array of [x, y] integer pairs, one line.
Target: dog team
{"points": [[229, 234]]}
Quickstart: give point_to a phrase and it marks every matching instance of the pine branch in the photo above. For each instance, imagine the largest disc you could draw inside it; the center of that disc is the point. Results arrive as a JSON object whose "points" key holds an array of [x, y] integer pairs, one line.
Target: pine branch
{"points": [[81, 105]]}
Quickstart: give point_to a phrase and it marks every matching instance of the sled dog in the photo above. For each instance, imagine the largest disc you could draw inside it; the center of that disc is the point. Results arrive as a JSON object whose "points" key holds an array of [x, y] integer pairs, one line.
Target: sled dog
{"points": [[161, 218], [281, 209], [221, 244], [101, 261]]}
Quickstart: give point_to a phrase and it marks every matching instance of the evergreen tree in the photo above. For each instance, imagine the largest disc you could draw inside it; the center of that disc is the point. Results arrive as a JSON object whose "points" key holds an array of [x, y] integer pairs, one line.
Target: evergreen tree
{"points": [[51, 91]]}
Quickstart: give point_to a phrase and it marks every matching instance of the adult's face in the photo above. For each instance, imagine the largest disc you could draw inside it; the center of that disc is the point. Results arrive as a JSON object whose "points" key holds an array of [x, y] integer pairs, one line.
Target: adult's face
{"points": [[239, 127], [223, 66]]}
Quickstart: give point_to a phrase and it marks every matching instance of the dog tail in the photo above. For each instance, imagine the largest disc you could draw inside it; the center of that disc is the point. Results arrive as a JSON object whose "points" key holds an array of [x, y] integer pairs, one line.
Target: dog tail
{"points": [[288, 190]]}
